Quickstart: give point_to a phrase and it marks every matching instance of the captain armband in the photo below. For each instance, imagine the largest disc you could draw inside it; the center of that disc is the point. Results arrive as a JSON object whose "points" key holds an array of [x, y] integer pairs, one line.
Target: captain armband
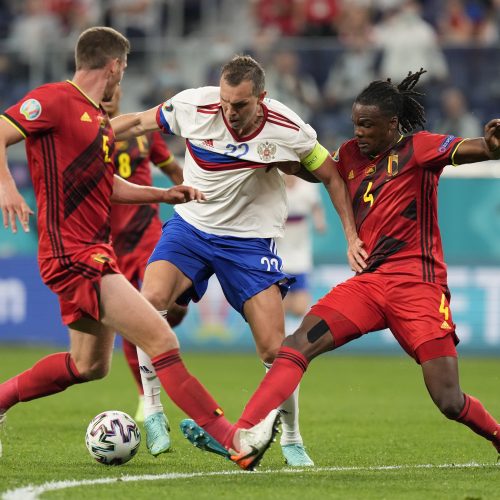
{"points": [[315, 158]]}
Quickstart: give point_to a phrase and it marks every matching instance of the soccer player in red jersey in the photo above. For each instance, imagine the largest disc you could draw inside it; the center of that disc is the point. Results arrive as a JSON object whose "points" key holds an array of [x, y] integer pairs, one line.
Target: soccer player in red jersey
{"points": [[69, 145], [135, 230], [392, 174]]}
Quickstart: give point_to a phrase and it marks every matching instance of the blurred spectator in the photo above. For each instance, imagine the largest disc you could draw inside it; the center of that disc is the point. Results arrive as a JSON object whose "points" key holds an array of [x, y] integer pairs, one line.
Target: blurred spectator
{"points": [[280, 16], [75, 15], [456, 118], [318, 17], [165, 83], [135, 18], [355, 66], [35, 33], [287, 83], [455, 26], [6, 17], [353, 69], [408, 43]]}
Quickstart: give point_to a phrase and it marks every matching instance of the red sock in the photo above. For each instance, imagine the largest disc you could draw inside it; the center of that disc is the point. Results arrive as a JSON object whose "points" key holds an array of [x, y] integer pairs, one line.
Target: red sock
{"points": [[276, 387], [50, 375], [130, 352], [189, 395], [475, 416]]}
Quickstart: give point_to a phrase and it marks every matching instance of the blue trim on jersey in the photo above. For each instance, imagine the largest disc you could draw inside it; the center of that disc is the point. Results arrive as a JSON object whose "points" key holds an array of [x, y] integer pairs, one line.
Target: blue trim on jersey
{"points": [[210, 156], [164, 122], [243, 266]]}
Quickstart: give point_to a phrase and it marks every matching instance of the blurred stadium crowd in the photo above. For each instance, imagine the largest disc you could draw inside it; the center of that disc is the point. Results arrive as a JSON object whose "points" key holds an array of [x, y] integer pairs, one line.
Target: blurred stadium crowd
{"points": [[318, 54]]}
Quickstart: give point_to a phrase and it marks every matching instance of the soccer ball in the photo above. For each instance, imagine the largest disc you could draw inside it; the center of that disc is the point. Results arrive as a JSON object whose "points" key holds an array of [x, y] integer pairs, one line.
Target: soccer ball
{"points": [[112, 437]]}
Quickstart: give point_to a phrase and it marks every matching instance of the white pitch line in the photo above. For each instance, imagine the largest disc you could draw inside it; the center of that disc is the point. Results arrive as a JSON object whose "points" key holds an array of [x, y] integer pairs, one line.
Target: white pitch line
{"points": [[33, 492]]}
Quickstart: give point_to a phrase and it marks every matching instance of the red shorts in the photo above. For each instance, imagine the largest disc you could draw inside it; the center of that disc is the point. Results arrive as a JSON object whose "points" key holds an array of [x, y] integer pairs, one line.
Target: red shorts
{"points": [[415, 312], [76, 279], [133, 264]]}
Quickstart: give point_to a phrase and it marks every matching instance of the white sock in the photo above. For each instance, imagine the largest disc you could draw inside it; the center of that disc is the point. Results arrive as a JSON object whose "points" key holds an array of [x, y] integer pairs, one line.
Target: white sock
{"points": [[290, 432], [150, 384]]}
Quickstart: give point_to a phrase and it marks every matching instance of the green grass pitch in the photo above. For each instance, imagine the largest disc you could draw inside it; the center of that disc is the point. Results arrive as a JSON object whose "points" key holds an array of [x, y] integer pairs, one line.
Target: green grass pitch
{"points": [[358, 414]]}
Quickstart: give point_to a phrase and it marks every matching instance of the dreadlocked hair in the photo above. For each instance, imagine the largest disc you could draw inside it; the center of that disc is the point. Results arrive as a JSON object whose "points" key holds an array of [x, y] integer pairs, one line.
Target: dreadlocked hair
{"points": [[397, 100]]}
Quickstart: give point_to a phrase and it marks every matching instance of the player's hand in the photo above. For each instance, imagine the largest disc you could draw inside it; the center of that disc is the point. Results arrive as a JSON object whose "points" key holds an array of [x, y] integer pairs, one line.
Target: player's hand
{"points": [[14, 206], [182, 194], [356, 255], [492, 137]]}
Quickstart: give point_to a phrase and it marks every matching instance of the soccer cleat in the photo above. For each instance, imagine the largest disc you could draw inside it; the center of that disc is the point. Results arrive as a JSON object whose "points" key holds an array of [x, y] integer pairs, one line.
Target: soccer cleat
{"points": [[200, 438], [296, 455], [255, 441], [139, 414], [157, 437]]}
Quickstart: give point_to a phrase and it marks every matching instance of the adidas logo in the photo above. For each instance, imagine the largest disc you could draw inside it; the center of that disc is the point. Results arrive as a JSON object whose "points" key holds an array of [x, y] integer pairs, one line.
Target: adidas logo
{"points": [[351, 175], [445, 326], [85, 117], [209, 143]]}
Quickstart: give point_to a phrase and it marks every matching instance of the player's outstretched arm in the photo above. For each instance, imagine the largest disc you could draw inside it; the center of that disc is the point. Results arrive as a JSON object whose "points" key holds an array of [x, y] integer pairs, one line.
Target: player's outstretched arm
{"points": [[481, 149], [328, 174], [12, 203], [129, 193], [134, 124]]}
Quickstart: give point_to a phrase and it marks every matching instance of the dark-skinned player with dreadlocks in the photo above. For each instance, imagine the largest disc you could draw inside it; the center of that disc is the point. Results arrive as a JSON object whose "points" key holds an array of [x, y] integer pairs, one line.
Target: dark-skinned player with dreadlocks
{"points": [[392, 174]]}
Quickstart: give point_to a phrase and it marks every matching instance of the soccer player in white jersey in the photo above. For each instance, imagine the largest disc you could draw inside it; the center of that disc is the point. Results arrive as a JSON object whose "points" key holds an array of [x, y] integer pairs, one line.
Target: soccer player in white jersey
{"points": [[305, 212], [233, 135]]}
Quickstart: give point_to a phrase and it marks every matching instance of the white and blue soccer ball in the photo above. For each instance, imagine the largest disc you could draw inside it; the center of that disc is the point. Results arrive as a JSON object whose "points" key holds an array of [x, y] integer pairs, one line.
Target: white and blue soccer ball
{"points": [[112, 437]]}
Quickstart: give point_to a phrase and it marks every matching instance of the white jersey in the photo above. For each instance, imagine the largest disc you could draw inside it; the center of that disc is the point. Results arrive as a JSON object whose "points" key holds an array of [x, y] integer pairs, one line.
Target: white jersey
{"points": [[242, 198], [295, 248]]}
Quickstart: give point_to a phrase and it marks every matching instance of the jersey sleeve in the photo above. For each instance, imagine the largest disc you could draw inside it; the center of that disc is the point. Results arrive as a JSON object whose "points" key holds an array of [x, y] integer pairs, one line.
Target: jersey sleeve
{"points": [[339, 158], [160, 154], [37, 112], [177, 115], [306, 141], [435, 150]]}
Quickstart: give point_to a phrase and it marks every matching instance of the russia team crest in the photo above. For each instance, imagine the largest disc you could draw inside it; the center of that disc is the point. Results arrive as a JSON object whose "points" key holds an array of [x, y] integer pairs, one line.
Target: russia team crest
{"points": [[266, 151]]}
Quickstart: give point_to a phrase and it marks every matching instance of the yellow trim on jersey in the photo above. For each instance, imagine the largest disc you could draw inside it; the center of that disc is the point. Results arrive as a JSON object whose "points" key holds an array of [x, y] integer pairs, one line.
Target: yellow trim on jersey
{"points": [[168, 161], [315, 158], [79, 89], [454, 151], [14, 125]]}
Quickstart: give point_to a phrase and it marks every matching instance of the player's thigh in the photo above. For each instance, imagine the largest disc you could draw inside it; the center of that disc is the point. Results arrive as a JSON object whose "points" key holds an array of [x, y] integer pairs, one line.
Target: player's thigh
{"points": [[264, 313], [353, 308], [419, 313], [163, 283], [125, 310], [91, 347]]}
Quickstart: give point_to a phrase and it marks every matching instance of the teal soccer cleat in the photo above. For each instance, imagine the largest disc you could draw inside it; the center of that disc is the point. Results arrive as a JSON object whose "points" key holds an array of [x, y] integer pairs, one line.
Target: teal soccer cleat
{"points": [[254, 442], [200, 438], [296, 455], [157, 436]]}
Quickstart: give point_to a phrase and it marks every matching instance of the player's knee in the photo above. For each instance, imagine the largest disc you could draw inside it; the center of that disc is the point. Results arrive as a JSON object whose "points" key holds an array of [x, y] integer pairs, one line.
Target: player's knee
{"points": [[310, 340], [94, 371], [176, 314], [156, 297], [268, 353], [451, 405]]}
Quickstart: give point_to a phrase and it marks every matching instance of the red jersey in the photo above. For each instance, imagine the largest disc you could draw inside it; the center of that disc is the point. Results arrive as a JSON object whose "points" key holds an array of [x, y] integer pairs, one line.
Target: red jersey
{"points": [[131, 159], [69, 145], [394, 197]]}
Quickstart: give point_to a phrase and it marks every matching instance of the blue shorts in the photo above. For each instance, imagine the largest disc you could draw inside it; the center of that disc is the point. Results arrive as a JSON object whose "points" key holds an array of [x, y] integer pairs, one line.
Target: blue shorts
{"points": [[301, 283], [243, 266]]}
